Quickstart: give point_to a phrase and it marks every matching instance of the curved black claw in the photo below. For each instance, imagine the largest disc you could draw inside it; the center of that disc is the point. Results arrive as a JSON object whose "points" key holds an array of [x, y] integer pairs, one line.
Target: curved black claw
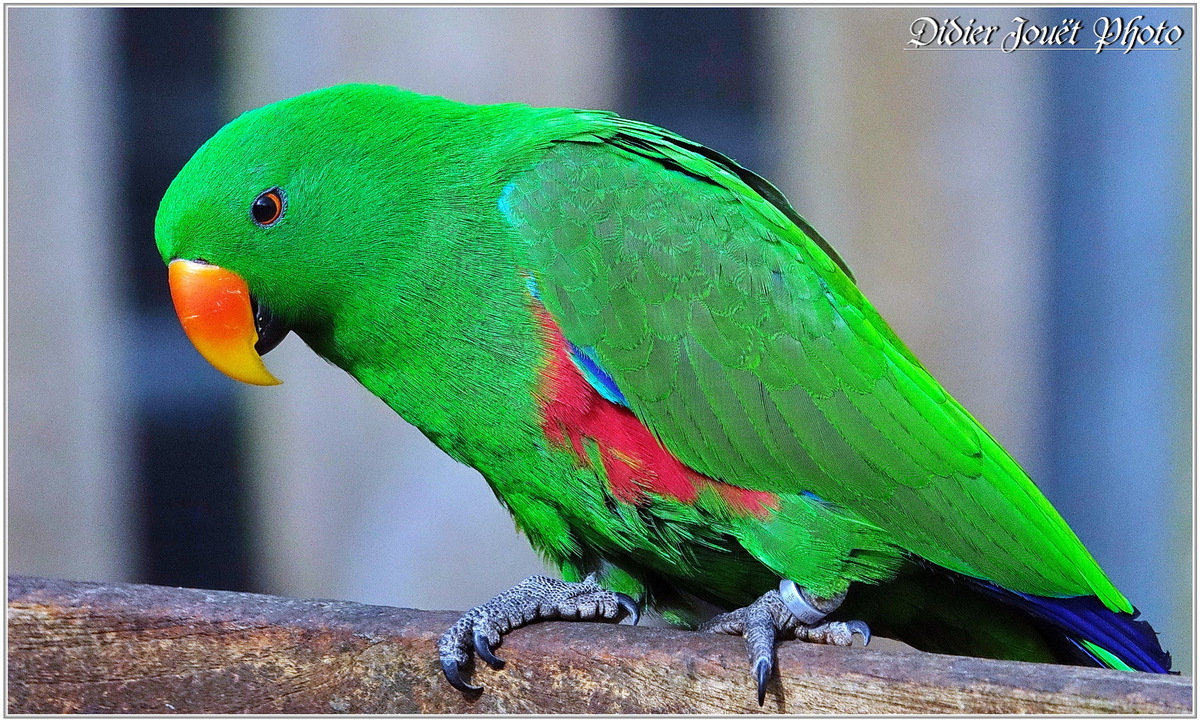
{"points": [[484, 649], [451, 669], [861, 629], [762, 672], [631, 608]]}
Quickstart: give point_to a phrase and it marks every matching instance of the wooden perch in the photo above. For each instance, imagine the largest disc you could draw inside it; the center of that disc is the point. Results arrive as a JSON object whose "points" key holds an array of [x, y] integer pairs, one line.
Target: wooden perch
{"points": [[129, 648]]}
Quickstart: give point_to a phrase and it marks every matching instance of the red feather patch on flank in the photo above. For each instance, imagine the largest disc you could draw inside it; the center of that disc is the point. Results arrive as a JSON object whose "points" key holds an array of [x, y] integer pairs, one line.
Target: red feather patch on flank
{"points": [[635, 463]]}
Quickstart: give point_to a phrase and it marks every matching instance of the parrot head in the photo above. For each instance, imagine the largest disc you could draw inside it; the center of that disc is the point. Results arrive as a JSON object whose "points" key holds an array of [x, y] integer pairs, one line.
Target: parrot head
{"points": [[262, 229]]}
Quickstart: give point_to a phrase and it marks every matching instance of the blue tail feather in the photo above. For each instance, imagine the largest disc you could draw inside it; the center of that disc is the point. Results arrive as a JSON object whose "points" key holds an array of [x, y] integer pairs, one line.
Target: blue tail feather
{"points": [[1126, 637]]}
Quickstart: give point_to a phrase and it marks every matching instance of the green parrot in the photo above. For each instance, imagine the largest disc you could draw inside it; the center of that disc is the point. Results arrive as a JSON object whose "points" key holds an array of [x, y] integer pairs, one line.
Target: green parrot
{"points": [[664, 373]]}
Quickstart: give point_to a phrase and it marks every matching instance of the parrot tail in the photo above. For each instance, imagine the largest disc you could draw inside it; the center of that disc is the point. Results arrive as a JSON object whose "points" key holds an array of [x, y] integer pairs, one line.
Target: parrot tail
{"points": [[1099, 636], [937, 610]]}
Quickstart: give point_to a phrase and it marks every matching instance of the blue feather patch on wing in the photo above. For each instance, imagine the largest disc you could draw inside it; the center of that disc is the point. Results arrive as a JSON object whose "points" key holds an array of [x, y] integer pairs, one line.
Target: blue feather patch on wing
{"points": [[505, 204], [532, 286], [812, 496], [585, 360]]}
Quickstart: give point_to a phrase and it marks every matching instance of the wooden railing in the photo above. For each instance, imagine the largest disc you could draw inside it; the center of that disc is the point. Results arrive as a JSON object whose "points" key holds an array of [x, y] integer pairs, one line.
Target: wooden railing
{"points": [[128, 648]]}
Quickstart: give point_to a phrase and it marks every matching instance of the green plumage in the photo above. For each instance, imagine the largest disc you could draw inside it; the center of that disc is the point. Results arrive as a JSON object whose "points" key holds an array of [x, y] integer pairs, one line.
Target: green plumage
{"points": [[749, 351], [415, 230]]}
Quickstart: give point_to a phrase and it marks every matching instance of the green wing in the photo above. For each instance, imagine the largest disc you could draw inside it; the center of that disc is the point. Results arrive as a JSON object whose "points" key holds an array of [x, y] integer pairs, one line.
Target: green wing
{"points": [[739, 338]]}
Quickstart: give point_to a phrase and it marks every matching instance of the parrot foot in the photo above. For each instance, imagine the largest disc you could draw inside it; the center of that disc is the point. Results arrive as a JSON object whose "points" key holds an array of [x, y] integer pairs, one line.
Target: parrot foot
{"points": [[537, 598], [770, 618]]}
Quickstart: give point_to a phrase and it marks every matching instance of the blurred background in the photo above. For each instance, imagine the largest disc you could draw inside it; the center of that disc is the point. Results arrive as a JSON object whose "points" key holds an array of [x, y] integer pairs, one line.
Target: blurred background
{"points": [[1023, 220]]}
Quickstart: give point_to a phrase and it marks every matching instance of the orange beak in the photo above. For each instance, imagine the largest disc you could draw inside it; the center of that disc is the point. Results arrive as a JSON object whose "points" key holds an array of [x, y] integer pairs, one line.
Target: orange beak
{"points": [[214, 307]]}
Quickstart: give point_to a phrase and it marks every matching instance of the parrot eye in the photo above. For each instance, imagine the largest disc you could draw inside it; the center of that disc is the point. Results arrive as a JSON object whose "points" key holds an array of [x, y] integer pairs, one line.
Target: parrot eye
{"points": [[268, 207]]}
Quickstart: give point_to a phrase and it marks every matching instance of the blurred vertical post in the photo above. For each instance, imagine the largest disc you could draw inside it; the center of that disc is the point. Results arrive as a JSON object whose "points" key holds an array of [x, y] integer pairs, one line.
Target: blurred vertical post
{"points": [[1122, 227], [69, 444], [351, 501]]}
